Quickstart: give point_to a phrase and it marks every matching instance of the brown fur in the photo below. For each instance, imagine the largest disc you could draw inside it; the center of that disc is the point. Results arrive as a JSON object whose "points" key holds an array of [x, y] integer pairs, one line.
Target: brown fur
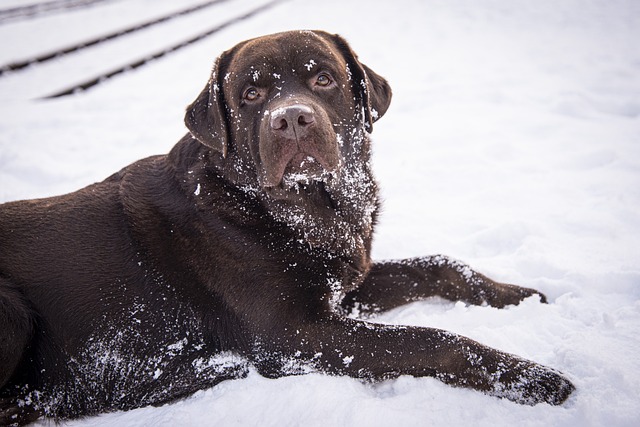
{"points": [[246, 244]]}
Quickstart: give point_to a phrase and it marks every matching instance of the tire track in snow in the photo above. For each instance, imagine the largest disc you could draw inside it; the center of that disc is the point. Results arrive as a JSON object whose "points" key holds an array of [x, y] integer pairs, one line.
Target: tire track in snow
{"points": [[83, 86], [19, 65], [38, 9]]}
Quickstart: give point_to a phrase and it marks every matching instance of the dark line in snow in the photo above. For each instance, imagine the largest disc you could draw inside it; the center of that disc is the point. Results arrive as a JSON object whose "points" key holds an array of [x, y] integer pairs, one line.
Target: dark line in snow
{"points": [[19, 65], [37, 9], [80, 87]]}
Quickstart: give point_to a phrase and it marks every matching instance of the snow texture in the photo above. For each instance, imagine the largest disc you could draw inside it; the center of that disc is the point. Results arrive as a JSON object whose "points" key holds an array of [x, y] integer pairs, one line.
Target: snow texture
{"points": [[512, 143]]}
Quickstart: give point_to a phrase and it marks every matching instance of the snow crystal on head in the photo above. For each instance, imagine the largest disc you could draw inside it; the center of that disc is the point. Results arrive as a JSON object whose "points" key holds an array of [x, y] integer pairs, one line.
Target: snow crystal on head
{"points": [[309, 65], [255, 74]]}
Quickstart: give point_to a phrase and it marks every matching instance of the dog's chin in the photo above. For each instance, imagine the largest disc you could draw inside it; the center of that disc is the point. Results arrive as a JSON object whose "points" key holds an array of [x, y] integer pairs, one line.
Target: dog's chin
{"points": [[302, 180], [298, 187]]}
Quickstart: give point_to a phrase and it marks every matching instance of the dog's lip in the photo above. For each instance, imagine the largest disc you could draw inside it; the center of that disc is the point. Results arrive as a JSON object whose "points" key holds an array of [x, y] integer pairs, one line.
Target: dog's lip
{"points": [[301, 169], [297, 191], [301, 164]]}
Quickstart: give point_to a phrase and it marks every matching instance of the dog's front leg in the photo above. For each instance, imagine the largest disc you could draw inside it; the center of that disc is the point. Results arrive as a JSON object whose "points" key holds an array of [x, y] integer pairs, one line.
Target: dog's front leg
{"points": [[394, 283], [371, 351]]}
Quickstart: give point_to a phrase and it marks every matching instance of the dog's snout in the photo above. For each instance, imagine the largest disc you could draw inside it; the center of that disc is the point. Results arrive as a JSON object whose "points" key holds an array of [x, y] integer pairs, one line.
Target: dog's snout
{"points": [[292, 121]]}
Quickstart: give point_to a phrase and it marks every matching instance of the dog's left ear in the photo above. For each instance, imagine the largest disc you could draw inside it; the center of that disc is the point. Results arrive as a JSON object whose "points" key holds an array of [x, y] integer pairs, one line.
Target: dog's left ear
{"points": [[206, 117], [372, 90]]}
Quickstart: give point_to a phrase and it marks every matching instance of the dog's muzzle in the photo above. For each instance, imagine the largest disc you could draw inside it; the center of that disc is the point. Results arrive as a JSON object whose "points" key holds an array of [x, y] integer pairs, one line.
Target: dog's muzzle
{"points": [[297, 144]]}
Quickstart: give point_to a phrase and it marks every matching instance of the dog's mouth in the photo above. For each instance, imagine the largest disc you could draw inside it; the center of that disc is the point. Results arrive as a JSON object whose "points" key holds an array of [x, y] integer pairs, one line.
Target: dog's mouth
{"points": [[303, 169], [302, 175], [299, 172]]}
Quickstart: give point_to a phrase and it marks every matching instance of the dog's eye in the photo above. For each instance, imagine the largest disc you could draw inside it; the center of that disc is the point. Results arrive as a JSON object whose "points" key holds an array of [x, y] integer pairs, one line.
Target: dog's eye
{"points": [[323, 80], [251, 94]]}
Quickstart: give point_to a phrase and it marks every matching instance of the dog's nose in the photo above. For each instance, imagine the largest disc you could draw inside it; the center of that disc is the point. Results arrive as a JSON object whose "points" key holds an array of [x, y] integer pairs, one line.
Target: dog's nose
{"points": [[292, 121]]}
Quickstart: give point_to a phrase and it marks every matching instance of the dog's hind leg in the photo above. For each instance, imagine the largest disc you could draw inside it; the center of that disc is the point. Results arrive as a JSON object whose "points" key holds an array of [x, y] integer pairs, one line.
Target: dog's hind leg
{"points": [[16, 329], [394, 283]]}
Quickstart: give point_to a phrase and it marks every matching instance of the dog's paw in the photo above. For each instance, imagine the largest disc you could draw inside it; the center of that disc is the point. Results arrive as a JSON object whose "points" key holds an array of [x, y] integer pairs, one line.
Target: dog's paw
{"points": [[501, 294], [532, 384], [456, 281]]}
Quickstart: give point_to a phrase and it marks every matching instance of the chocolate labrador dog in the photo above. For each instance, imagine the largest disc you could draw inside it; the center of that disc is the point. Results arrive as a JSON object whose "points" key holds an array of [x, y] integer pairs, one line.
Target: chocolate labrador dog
{"points": [[247, 245]]}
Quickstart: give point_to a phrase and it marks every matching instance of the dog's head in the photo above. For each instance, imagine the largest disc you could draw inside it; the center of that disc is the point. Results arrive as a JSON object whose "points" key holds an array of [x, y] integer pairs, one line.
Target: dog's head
{"points": [[287, 118], [289, 104]]}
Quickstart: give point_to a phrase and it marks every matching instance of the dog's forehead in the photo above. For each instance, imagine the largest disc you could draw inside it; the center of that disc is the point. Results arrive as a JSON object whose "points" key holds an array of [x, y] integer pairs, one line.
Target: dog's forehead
{"points": [[299, 52]]}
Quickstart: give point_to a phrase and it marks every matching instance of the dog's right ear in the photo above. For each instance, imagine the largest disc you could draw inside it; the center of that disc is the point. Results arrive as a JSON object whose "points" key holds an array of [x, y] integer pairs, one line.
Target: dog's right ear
{"points": [[206, 117]]}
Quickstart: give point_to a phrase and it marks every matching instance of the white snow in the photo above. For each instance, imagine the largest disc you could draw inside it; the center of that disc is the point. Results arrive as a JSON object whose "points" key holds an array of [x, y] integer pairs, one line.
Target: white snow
{"points": [[157, 373], [512, 143], [310, 64]]}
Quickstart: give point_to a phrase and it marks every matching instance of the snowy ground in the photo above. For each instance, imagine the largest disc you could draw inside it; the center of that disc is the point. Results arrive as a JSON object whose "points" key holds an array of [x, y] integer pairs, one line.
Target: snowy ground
{"points": [[512, 143]]}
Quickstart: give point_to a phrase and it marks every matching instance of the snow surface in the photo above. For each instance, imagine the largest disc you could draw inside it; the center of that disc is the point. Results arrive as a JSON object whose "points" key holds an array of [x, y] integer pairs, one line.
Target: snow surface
{"points": [[512, 143]]}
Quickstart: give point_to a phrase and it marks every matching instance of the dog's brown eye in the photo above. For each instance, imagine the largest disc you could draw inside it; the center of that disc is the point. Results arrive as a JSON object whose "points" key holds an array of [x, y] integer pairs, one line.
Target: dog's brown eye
{"points": [[323, 80], [251, 94]]}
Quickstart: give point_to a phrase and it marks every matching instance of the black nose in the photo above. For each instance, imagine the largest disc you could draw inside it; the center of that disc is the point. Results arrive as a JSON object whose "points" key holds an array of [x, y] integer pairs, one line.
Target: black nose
{"points": [[292, 121]]}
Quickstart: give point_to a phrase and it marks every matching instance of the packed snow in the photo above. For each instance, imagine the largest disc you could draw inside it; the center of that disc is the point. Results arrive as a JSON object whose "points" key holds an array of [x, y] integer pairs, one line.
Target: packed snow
{"points": [[512, 143]]}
